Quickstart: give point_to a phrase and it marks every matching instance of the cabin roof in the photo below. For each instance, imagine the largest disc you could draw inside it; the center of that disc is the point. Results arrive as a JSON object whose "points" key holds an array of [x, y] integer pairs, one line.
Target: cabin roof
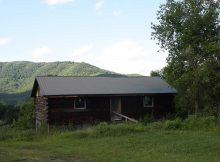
{"points": [[66, 86]]}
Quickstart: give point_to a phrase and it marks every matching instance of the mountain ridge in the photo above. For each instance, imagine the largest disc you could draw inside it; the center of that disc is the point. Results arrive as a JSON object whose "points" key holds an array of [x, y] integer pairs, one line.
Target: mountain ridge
{"points": [[17, 77]]}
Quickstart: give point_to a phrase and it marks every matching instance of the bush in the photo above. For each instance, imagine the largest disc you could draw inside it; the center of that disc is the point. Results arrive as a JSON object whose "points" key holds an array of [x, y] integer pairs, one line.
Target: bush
{"points": [[26, 115], [205, 123], [147, 119], [209, 123], [8, 113], [190, 123], [173, 124]]}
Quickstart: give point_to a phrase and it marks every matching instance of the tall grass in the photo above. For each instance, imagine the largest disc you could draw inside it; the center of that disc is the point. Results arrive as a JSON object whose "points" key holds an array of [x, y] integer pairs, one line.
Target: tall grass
{"points": [[16, 135], [105, 129], [164, 140], [209, 123], [13, 134]]}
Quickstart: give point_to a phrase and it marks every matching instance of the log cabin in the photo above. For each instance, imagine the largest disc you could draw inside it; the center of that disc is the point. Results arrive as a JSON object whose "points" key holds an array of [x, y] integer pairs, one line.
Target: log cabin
{"points": [[67, 99]]}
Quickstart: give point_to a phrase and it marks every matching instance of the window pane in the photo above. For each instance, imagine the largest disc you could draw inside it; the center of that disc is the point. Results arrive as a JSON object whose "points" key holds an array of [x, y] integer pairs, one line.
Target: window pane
{"points": [[148, 101], [80, 103]]}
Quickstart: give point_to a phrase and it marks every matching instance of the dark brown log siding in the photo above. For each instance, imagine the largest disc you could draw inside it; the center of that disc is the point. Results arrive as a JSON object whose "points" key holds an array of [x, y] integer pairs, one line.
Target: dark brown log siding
{"points": [[132, 106], [61, 110], [164, 105]]}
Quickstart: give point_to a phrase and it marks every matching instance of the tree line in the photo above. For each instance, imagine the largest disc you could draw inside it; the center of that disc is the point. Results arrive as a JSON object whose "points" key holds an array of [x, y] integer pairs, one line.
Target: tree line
{"points": [[189, 30], [19, 116]]}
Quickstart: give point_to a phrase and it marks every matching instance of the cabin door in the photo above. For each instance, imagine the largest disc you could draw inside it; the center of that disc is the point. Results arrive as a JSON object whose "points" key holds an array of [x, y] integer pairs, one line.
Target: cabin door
{"points": [[115, 106]]}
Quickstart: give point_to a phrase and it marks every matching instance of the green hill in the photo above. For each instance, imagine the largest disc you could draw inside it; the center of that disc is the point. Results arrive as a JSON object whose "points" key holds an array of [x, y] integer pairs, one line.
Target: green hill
{"points": [[16, 78]]}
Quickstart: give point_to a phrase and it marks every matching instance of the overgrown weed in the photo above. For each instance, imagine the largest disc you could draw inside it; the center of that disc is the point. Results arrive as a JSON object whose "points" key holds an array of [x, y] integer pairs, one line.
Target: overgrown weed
{"points": [[209, 123]]}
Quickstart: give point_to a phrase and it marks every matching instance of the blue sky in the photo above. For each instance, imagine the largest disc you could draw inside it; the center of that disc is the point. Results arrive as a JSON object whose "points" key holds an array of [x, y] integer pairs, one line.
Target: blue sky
{"points": [[111, 34]]}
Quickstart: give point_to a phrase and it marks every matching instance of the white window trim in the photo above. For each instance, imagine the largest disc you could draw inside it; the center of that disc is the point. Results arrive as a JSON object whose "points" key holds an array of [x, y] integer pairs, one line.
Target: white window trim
{"points": [[152, 105], [80, 108]]}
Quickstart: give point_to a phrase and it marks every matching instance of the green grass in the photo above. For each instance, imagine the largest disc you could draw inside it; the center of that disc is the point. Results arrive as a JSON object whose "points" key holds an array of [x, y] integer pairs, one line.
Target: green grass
{"points": [[113, 143]]}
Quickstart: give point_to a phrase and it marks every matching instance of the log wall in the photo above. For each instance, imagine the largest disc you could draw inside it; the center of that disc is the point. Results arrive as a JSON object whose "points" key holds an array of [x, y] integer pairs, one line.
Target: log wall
{"points": [[62, 111], [132, 106]]}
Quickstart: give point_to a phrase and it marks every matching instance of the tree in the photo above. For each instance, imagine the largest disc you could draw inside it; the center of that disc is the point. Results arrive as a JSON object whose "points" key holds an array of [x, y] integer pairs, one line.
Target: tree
{"points": [[26, 115], [157, 73], [8, 113], [190, 31]]}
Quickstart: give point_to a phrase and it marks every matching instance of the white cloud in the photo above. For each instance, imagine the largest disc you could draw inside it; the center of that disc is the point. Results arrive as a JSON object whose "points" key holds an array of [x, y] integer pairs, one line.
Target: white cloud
{"points": [[116, 13], [55, 2], [81, 53], [4, 41], [99, 5], [124, 56], [128, 56], [39, 52]]}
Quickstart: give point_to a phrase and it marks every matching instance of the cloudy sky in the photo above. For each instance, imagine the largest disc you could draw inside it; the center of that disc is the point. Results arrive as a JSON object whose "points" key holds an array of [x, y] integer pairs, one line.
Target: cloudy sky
{"points": [[111, 34]]}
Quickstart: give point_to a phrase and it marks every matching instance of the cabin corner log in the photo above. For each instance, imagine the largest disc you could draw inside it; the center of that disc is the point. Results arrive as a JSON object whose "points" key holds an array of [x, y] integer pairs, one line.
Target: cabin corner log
{"points": [[41, 110]]}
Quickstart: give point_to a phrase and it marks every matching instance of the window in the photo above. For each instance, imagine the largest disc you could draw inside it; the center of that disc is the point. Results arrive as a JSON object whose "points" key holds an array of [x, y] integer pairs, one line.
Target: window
{"points": [[148, 101], [80, 103]]}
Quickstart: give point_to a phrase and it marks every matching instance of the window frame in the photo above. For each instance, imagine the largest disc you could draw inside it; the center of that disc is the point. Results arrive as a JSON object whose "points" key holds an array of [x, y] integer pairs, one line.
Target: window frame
{"points": [[149, 105], [80, 108]]}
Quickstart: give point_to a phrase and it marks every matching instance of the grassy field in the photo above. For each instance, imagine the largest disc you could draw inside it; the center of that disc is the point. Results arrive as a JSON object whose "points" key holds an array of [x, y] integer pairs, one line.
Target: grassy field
{"points": [[113, 143]]}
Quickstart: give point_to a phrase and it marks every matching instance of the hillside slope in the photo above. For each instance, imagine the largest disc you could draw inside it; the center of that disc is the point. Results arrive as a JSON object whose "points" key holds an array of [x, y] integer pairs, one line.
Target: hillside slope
{"points": [[16, 78]]}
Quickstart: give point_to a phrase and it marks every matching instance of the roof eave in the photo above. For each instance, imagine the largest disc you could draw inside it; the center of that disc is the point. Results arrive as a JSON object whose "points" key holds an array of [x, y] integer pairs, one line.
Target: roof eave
{"points": [[122, 94]]}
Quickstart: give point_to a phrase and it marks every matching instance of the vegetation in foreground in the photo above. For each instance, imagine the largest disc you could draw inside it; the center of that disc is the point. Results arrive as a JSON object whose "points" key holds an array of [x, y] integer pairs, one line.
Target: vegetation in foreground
{"points": [[169, 140]]}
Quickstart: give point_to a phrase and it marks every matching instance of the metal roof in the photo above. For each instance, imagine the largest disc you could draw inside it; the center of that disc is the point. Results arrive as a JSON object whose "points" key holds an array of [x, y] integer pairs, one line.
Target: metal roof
{"points": [[60, 85]]}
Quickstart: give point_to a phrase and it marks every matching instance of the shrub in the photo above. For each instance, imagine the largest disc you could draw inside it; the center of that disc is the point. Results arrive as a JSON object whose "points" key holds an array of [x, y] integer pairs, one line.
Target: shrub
{"points": [[173, 124], [190, 123], [205, 123], [26, 115], [210, 121], [147, 119], [8, 113]]}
